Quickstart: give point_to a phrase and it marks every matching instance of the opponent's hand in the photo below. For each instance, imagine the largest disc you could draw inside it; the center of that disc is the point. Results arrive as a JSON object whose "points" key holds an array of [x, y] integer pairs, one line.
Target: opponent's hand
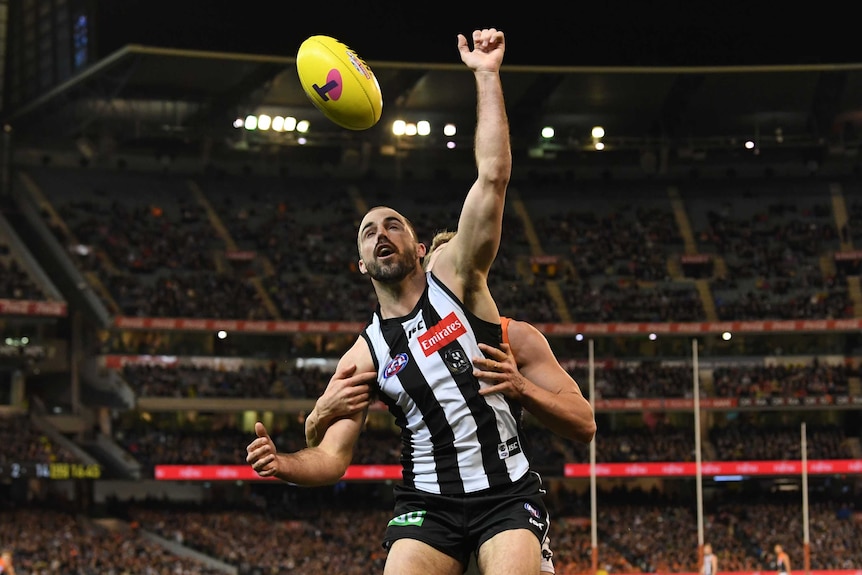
{"points": [[348, 393], [487, 53], [499, 369], [262, 454]]}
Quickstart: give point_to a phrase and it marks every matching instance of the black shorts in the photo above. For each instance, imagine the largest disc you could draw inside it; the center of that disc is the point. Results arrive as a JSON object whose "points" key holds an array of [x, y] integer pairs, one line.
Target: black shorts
{"points": [[458, 525]]}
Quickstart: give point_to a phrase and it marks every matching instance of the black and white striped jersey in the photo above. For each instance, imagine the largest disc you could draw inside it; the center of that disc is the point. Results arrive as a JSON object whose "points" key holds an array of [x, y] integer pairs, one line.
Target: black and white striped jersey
{"points": [[454, 440]]}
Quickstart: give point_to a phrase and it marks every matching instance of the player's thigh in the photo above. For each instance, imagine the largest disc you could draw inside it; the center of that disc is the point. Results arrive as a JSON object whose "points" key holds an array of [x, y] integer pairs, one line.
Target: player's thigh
{"points": [[512, 552], [413, 557]]}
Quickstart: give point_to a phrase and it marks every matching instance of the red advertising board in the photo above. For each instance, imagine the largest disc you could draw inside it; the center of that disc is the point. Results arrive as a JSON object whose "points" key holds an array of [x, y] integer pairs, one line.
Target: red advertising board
{"points": [[561, 329], [34, 308], [652, 469], [716, 468], [246, 473]]}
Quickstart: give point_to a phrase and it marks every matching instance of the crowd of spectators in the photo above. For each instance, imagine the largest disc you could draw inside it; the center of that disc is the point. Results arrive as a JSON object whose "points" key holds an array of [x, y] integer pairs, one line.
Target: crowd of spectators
{"points": [[796, 380], [171, 443], [15, 282], [285, 248], [743, 440], [320, 531], [21, 441], [627, 380], [44, 541], [272, 380]]}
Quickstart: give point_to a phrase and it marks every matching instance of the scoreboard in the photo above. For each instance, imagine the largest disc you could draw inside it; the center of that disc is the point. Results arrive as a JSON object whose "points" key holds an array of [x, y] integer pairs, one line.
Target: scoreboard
{"points": [[32, 470]]}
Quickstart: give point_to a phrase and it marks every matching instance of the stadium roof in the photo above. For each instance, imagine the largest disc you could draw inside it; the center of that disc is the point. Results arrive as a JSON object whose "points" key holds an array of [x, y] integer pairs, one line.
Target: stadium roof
{"points": [[143, 97]]}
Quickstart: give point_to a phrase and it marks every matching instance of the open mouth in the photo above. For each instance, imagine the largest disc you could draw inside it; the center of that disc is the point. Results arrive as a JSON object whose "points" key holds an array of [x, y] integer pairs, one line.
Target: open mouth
{"points": [[383, 251]]}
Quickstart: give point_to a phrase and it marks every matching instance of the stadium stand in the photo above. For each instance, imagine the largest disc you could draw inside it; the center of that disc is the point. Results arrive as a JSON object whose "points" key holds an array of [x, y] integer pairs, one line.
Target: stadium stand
{"points": [[154, 303]]}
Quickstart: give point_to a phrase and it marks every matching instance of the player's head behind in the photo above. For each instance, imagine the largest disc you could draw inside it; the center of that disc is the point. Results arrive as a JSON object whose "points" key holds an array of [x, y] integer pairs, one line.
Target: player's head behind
{"points": [[389, 249], [441, 238]]}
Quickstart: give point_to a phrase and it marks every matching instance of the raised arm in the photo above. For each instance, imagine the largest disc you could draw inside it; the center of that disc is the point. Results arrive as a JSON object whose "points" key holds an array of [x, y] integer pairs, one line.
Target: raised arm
{"points": [[475, 245], [529, 372]]}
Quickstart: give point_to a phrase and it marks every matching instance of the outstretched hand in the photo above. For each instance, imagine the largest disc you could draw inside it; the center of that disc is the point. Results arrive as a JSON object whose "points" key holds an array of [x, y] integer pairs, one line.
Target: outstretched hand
{"points": [[262, 453], [500, 370], [487, 53]]}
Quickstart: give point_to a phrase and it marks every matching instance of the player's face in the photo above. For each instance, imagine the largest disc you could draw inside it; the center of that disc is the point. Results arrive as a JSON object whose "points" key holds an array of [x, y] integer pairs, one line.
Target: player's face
{"points": [[388, 250]]}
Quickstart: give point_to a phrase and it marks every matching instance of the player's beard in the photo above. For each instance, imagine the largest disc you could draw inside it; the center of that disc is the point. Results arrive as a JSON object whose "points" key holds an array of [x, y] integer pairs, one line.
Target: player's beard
{"points": [[394, 270]]}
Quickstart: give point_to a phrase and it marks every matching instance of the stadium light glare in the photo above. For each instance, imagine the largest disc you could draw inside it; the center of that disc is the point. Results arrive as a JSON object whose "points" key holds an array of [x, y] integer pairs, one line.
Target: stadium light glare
{"points": [[722, 478]]}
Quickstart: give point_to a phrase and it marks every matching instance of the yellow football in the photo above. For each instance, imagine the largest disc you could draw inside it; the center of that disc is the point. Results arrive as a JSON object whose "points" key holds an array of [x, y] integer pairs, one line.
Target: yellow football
{"points": [[339, 83]]}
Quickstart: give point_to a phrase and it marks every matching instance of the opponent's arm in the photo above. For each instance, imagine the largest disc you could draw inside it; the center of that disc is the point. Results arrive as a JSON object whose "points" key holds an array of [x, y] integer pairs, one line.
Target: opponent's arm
{"points": [[348, 393], [536, 379], [325, 463]]}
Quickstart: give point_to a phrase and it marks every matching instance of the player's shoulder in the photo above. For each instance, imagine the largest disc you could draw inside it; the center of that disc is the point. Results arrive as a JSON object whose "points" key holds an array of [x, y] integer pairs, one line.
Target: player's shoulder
{"points": [[359, 355], [523, 334]]}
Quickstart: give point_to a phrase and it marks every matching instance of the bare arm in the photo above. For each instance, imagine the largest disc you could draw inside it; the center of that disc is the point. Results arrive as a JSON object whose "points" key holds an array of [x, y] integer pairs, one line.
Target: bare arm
{"points": [[465, 265], [309, 467], [535, 378], [347, 394], [325, 463]]}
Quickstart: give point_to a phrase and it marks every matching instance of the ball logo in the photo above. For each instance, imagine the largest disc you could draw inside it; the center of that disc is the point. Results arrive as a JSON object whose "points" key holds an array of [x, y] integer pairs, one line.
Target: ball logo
{"points": [[332, 89], [358, 64], [395, 365]]}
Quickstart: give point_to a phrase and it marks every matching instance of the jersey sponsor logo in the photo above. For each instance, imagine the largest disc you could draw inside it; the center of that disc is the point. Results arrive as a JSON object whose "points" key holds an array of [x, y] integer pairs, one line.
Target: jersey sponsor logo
{"points": [[456, 360], [509, 448], [413, 518], [444, 332], [395, 365]]}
